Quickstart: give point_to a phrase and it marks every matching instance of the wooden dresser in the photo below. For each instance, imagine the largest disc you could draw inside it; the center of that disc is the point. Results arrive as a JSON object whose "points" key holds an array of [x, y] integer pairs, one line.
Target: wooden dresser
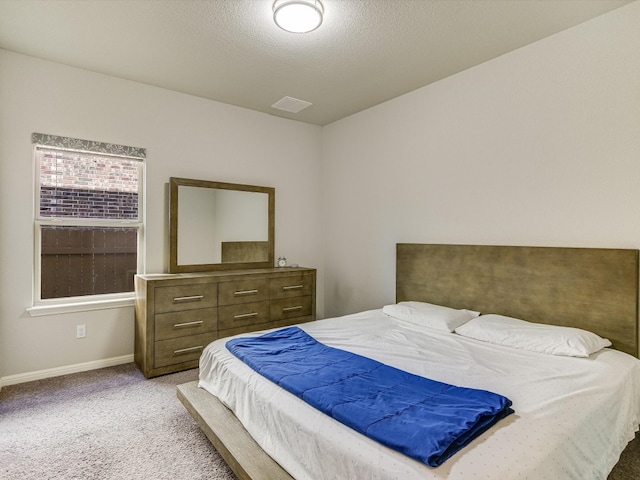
{"points": [[177, 315]]}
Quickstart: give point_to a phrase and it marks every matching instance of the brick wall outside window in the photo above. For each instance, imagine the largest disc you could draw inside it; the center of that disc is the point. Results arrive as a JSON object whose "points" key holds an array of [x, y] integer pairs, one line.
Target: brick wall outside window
{"points": [[82, 203], [87, 186]]}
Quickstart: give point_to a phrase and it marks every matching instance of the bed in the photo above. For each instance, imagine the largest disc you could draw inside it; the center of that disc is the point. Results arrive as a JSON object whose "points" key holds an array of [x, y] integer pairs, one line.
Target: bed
{"points": [[554, 433]]}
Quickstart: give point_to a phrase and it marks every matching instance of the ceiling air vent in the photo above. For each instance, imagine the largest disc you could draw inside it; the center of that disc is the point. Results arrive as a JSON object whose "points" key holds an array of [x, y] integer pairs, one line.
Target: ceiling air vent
{"points": [[290, 104]]}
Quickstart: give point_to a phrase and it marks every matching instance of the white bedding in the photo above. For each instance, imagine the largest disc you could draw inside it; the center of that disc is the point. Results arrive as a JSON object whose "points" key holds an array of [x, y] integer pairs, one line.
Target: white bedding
{"points": [[573, 416]]}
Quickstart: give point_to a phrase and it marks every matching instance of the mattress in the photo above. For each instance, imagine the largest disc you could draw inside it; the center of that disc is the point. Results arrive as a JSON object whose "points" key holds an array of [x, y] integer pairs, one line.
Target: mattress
{"points": [[573, 416]]}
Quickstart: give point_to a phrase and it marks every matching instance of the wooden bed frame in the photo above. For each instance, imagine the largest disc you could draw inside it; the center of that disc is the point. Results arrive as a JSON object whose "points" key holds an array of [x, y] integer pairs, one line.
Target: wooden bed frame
{"points": [[590, 288], [594, 289]]}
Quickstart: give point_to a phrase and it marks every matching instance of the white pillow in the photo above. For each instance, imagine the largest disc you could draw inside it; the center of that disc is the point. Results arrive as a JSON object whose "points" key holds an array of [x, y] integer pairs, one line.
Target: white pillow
{"points": [[429, 315], [536, 337]]}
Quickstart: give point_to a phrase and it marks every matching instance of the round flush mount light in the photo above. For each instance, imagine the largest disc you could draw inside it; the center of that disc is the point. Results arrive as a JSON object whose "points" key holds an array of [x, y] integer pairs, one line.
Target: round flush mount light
{"points": [[298, 16]]}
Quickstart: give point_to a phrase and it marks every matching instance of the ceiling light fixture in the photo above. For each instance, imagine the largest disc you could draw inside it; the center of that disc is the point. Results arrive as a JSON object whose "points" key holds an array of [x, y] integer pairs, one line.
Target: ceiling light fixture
{"points": [[298, 16]]}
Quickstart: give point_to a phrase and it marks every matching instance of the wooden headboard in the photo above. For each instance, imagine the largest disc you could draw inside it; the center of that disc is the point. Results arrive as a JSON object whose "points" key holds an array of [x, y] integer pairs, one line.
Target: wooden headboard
{"points": [[243, 252], [590, 288]]}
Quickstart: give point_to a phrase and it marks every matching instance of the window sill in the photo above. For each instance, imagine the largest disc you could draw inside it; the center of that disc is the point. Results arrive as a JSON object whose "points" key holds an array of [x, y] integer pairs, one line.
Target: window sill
{"points": [[86, 306]]}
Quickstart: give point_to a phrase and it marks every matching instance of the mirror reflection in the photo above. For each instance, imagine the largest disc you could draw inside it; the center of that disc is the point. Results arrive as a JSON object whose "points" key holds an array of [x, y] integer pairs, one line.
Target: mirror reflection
{"points": [[218, 225], [222, 225]]}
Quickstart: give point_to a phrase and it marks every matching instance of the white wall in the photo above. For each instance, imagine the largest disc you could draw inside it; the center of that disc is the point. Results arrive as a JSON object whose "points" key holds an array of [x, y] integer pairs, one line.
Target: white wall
{"points": [[538, 147], [195, 243], [185, 136]]}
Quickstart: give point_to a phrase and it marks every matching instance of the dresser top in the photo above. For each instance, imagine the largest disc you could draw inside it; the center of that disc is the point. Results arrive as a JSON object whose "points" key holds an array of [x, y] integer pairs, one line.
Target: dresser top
{"points": [[223, 273]]}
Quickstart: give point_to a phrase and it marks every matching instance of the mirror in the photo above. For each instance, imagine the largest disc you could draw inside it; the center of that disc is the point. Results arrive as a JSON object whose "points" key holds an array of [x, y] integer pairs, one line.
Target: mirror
{"points": [[220, 226]]}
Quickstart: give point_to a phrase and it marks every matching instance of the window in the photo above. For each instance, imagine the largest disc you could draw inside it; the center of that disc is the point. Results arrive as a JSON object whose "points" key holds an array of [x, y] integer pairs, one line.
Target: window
{"points": [[88, 220]]}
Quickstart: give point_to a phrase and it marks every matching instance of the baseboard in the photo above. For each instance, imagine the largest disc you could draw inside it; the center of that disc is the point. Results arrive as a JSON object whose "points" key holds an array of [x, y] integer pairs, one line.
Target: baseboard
{"points": [[55, 372]]}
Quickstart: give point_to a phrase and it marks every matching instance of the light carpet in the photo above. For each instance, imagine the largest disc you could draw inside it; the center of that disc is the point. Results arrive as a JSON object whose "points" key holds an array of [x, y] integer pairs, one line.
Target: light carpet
{"points": [[106, 424]]}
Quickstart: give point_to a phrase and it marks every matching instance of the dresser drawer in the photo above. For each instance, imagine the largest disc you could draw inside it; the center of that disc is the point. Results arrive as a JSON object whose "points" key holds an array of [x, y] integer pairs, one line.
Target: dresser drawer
{"points": [[243, 291], [285, 308], [291, 286], [233, 316], [181, 349], [177, 316], [188, 322], [185, 297]]}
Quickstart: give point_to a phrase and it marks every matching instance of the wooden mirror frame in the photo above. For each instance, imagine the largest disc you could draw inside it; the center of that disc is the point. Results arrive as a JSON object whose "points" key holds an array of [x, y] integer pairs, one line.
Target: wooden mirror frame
{"points": [[174, 267]]}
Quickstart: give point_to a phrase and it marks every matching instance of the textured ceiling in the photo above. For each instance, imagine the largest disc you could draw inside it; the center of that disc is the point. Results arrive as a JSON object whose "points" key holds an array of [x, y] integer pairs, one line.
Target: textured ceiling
{"points": [[365, 52]]}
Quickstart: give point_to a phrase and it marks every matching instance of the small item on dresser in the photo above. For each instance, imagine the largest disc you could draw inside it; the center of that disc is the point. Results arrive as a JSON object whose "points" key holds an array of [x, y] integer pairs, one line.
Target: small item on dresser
{"points": [[282, 262]]}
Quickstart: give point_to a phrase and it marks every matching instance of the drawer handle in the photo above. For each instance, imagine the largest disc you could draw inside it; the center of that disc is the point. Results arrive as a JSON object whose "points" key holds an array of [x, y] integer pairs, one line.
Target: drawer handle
{"points": [[245, 315], [182, 351], [188, 324], [245, 292], [291, 309], [292, 287], [192, 298]]}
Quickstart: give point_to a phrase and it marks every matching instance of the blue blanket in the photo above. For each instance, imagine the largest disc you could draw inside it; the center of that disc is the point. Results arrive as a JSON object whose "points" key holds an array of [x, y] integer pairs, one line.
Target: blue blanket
{"points": [[424, 419]]}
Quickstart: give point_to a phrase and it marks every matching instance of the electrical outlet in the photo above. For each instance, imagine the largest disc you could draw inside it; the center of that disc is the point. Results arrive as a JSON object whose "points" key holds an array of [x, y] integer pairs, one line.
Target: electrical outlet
{"points": [[81, 331]]}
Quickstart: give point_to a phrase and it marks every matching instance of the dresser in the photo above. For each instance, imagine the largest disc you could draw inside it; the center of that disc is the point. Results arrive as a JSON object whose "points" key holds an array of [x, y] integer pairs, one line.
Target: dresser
{"points": [[177, 315]]}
